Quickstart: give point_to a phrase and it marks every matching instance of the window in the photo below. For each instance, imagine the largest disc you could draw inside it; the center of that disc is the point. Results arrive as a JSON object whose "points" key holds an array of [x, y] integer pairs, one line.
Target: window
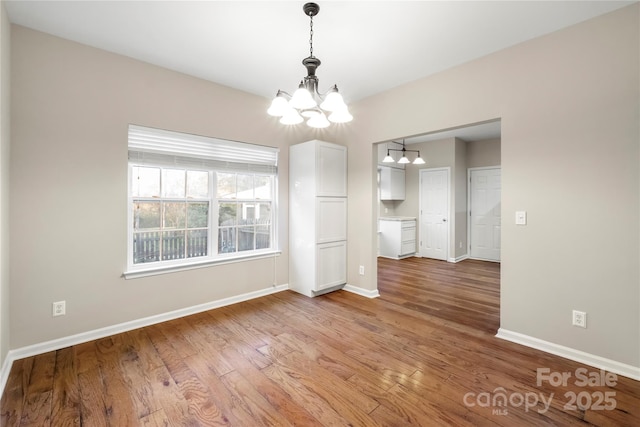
{"points": [[244, 212], [170, 213], [195, 200]]}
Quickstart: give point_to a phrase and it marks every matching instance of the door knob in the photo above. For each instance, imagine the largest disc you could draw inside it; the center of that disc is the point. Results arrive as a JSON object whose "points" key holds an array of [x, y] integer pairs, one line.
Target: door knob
{"points": [[444, 219]]}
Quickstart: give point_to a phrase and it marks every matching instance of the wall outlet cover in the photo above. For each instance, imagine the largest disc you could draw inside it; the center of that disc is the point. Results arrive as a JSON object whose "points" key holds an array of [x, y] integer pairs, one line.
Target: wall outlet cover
{"points": [[579, 319], [59, 308]]}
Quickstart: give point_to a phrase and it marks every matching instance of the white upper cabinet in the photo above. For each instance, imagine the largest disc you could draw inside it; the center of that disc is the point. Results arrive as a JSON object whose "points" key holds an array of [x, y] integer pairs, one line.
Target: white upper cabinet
{"points": [[392, 183], [332, 170]]}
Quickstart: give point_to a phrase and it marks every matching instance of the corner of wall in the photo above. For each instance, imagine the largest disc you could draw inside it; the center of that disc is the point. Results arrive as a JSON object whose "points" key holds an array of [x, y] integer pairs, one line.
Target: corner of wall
{"points": [[5, 134]]}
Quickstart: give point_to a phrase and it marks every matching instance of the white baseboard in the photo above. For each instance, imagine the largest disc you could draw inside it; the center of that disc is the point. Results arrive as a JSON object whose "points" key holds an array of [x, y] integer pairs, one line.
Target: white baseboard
{"points": [[458, 259], [361, 291], [44, 347], [4, 374], [623, 369]]}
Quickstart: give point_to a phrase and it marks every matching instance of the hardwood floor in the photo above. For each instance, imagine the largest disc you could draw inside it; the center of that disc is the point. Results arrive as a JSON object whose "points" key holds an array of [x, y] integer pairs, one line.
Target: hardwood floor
{"points": [[424, 353]]}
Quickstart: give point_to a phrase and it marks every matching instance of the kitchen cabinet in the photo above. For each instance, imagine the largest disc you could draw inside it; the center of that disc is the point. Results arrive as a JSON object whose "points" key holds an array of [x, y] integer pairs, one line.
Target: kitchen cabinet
{"points": [[317, 217], [392, 183], [397, 237]]}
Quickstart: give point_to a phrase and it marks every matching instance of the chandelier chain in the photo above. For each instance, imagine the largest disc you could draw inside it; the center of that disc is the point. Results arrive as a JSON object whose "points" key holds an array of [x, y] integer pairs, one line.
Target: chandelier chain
{"points": [[311, 36]]}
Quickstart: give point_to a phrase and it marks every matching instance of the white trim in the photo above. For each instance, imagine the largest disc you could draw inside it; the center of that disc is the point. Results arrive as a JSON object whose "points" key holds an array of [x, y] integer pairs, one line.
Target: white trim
{"points": [[56, 344], [398, 257], [571, 354], [458, 259], [361, 291], [485, 259], [4, 373], [162, 269]]}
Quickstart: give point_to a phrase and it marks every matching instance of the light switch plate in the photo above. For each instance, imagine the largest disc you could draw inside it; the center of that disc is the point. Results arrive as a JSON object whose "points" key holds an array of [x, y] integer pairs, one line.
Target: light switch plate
{"points": [[521, 217]]}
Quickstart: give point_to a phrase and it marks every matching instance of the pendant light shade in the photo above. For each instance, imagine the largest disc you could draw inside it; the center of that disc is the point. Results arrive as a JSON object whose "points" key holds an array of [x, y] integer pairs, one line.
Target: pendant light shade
{"points": [[418, 160], [291, 117], [279, 106], [333, 101], [388, 158], [341, 116], [302, 99], [318, 121]]}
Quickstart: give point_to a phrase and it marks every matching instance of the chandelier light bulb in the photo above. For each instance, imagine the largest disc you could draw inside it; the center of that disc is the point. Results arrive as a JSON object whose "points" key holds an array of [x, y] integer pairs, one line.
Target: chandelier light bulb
{"points": [[388, 159], [403, 160]]}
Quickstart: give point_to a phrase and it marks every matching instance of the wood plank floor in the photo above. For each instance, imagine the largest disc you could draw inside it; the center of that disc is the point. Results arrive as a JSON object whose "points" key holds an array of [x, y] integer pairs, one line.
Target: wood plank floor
{"points": [[424, 353]]}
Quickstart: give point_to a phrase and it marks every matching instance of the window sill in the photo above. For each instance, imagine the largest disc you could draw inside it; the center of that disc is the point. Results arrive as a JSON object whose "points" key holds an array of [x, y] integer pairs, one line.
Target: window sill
{"points": [[153, 271]]}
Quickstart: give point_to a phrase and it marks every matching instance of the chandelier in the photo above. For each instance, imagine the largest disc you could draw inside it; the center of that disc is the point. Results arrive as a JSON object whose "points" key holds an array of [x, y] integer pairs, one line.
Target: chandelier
{"points": [[404, 159], [306, 101]]}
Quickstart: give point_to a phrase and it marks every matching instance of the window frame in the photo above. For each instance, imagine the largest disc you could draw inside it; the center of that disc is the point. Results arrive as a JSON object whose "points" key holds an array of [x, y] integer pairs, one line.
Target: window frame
{"points": [[212, 257]]}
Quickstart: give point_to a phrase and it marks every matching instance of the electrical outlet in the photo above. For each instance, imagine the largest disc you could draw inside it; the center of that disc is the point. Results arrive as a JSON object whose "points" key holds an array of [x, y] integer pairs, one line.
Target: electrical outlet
{"points": [[59, 308], [579, 318], [361, 270]]}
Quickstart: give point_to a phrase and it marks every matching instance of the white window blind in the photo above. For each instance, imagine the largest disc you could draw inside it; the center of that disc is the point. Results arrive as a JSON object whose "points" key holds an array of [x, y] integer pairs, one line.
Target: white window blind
{"points": [[163, 147]]}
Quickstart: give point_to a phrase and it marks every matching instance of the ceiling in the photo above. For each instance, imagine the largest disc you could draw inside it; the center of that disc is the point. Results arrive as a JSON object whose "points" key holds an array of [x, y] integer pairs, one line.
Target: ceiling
{"points": [[366, 47]]}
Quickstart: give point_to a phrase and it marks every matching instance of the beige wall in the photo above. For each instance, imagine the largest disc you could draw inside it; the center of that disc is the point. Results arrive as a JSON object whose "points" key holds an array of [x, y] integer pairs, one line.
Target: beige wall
{"points": [[5, 134], [483, 153], [71, 105], [569, 153], [458, 244]]}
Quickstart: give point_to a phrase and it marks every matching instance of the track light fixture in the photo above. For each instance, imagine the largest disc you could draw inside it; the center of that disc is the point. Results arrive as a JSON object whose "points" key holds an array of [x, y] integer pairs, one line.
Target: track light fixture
{"points": [[403, 160], [306, 101]]}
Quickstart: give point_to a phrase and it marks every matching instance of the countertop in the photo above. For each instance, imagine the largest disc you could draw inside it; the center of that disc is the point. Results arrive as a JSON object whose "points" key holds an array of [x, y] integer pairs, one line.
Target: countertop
{"points": [[397, 218]]}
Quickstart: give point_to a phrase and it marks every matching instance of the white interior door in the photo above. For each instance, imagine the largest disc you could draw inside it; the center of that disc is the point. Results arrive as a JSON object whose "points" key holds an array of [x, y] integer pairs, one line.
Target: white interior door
{"points": [[485, 223], [434, 213]]}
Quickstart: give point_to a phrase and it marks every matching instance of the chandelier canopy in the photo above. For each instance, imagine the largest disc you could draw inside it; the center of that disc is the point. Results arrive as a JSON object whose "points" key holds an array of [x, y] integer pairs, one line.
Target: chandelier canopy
{"points": [[307, 102]]}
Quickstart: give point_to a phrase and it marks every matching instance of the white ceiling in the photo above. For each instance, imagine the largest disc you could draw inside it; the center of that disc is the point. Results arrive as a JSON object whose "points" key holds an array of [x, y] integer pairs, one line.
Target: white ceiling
{"points": [[366, 47]]}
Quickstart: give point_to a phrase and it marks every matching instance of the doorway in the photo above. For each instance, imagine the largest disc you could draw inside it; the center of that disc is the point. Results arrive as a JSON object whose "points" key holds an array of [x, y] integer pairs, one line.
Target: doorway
{"points": [[434, 213], [484, 213]]}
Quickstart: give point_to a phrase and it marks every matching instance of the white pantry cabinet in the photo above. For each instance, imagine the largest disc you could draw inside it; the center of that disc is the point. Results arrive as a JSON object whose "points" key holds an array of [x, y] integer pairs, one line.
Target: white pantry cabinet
{"points": [[397, 237], [317, 217]]}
